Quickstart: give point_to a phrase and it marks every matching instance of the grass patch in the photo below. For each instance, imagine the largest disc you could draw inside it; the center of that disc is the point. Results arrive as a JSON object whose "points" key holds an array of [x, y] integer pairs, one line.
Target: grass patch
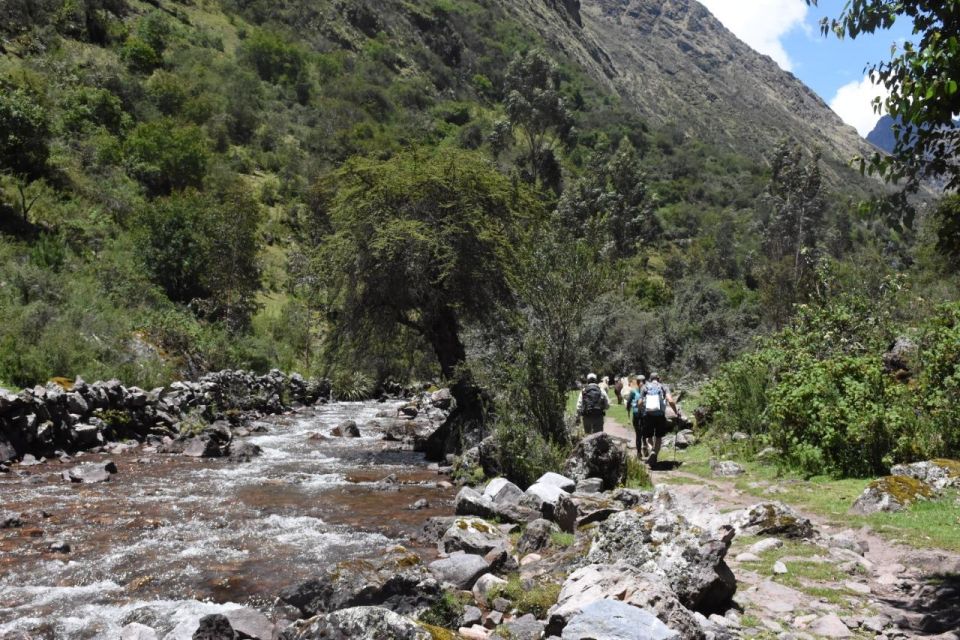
{"points": [[444, 613], [536, 599], [637, 475], [562, 539]]}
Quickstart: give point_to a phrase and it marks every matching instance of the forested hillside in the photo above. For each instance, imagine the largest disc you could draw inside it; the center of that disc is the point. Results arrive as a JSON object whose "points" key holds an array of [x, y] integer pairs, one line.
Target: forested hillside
{"points": [[408, 190]]}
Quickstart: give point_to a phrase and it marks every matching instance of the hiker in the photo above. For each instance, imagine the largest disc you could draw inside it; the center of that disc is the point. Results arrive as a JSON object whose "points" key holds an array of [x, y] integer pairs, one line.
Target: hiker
{"points": [[653, 399], [592, 404], [633, 410]]}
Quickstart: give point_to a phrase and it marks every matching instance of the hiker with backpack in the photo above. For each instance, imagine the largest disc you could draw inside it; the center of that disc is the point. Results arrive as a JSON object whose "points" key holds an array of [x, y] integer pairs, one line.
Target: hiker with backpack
{"points": [[636, 417], [592, 404], [653, 399]]}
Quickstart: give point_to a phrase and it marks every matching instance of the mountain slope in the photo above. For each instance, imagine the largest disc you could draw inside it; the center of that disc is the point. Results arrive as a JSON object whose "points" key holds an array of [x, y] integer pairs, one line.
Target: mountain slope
{"points": [[677, 64]]}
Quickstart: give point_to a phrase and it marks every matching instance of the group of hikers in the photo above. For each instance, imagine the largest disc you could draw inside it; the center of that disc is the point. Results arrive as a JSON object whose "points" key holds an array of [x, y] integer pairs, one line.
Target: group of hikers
{"points": [[646, 399]]}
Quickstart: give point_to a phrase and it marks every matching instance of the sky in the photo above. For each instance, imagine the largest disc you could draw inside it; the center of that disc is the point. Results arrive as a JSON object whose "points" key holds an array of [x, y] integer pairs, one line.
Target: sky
{"points": [[789, 32]]}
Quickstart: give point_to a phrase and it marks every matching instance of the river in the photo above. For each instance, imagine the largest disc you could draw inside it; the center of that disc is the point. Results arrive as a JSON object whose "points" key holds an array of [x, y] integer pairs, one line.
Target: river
{"points": [[172, 538]]}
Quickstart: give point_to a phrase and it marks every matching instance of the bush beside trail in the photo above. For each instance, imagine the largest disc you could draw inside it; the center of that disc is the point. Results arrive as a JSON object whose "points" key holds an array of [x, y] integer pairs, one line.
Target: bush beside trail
{"points": [[826, 396]]}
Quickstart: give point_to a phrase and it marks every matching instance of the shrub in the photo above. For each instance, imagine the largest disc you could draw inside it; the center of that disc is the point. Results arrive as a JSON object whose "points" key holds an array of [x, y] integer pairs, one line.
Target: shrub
{"points": [[24, 133], [166, 156]]}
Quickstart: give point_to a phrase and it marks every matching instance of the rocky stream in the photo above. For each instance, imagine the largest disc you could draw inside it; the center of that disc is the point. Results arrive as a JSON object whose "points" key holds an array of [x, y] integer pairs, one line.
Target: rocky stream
{"points": [[172, 538]]}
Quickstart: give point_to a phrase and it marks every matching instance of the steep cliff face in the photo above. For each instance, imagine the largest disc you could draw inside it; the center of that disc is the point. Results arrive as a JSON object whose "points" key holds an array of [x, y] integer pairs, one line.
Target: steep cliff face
{"points": [[676, 63]]}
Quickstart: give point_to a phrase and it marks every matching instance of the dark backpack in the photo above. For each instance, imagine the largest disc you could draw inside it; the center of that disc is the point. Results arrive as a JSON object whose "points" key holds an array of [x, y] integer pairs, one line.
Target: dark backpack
{"points": [[592, 400], [653, 401]]}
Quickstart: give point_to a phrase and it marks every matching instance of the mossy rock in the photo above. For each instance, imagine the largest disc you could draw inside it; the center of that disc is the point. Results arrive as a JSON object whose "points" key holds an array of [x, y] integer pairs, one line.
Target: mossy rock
{"points": [[891, 493], [952, 467]]}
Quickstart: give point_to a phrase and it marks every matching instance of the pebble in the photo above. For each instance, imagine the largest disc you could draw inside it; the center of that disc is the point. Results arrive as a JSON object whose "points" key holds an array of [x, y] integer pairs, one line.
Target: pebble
{"points": [[529, 558], [494, 618], [501, 604], [746, 556], [474, 633], [420, 504], [829, 626], [59, 546], [780, 568], [471, 616]]}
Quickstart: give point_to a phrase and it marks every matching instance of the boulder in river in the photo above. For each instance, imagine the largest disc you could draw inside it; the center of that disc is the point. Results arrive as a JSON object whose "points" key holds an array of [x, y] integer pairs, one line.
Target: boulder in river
{"points": [[243, 451], [346, 429], [399, 582], [599, 455], [91, 472], [358, 622], [214, 627]]}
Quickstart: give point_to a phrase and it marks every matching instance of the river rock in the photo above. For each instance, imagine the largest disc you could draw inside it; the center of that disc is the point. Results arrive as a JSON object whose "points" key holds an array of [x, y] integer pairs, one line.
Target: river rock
{"points": [[201, 447], [358, 622], [346, 429], [939, 474], [599, 455], [891, 493], [90, 472], [596, 582], [399, 582], [536, 536], [137, 631], [473, 535], [243, 451], [726, 469], [657, 539], [214, 627], [59, 546], [459, 569], [469, 502], [553, 503], [558, 480], [10, 521], [615, 620], [502, 491], [773, 518], [251, 624]]}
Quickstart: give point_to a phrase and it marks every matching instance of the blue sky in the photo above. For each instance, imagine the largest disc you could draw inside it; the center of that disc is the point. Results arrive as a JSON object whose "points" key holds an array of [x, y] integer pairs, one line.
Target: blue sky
{"points": [[789, 32]]}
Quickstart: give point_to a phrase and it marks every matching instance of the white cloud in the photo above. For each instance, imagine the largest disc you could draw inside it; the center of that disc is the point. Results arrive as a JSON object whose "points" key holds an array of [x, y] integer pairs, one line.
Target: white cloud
{"points": [[761, 23], [853, 102]]}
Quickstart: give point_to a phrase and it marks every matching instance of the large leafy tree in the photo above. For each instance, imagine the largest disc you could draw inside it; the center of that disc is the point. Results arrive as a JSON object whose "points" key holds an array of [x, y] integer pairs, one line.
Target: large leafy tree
{"points": [[427, 240], [922, 78]]}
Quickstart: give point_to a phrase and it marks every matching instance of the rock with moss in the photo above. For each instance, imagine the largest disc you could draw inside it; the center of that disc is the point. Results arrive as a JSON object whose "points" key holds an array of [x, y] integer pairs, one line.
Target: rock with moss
{"points": [[473, 535], [358, 622], [658, 540], [939, 473], [400, 582], [773, 519], [628, 584], [891, 493]]}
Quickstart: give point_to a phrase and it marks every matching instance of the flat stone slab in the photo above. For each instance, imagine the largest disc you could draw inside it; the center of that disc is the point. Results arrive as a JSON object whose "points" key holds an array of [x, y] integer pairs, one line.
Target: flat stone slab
{"points": [[615, 620], [775, 598]]}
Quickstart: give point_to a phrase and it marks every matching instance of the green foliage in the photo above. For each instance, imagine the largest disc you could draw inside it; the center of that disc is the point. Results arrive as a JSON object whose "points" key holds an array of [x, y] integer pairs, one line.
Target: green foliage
{"points": [[275, 58], [445, 612], [139, 55], [426, 240], [352, 386], [637, 475], [24, 133], [819, 393], [92, 107], [166, 156], [535, 598]]}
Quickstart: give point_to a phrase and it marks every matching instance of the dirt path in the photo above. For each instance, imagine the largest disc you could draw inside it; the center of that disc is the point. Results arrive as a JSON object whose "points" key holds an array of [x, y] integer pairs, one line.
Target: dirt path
{"points": [[891, 591]]}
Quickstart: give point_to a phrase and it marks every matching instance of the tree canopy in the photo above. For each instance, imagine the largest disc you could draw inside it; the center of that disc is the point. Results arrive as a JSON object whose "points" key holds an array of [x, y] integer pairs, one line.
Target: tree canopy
{"points": [[922, 78], [425, 240]]}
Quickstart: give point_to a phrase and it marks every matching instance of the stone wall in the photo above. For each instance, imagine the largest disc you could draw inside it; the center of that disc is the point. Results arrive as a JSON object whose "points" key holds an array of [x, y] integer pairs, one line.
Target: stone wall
{"points": [[51, 418]]}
